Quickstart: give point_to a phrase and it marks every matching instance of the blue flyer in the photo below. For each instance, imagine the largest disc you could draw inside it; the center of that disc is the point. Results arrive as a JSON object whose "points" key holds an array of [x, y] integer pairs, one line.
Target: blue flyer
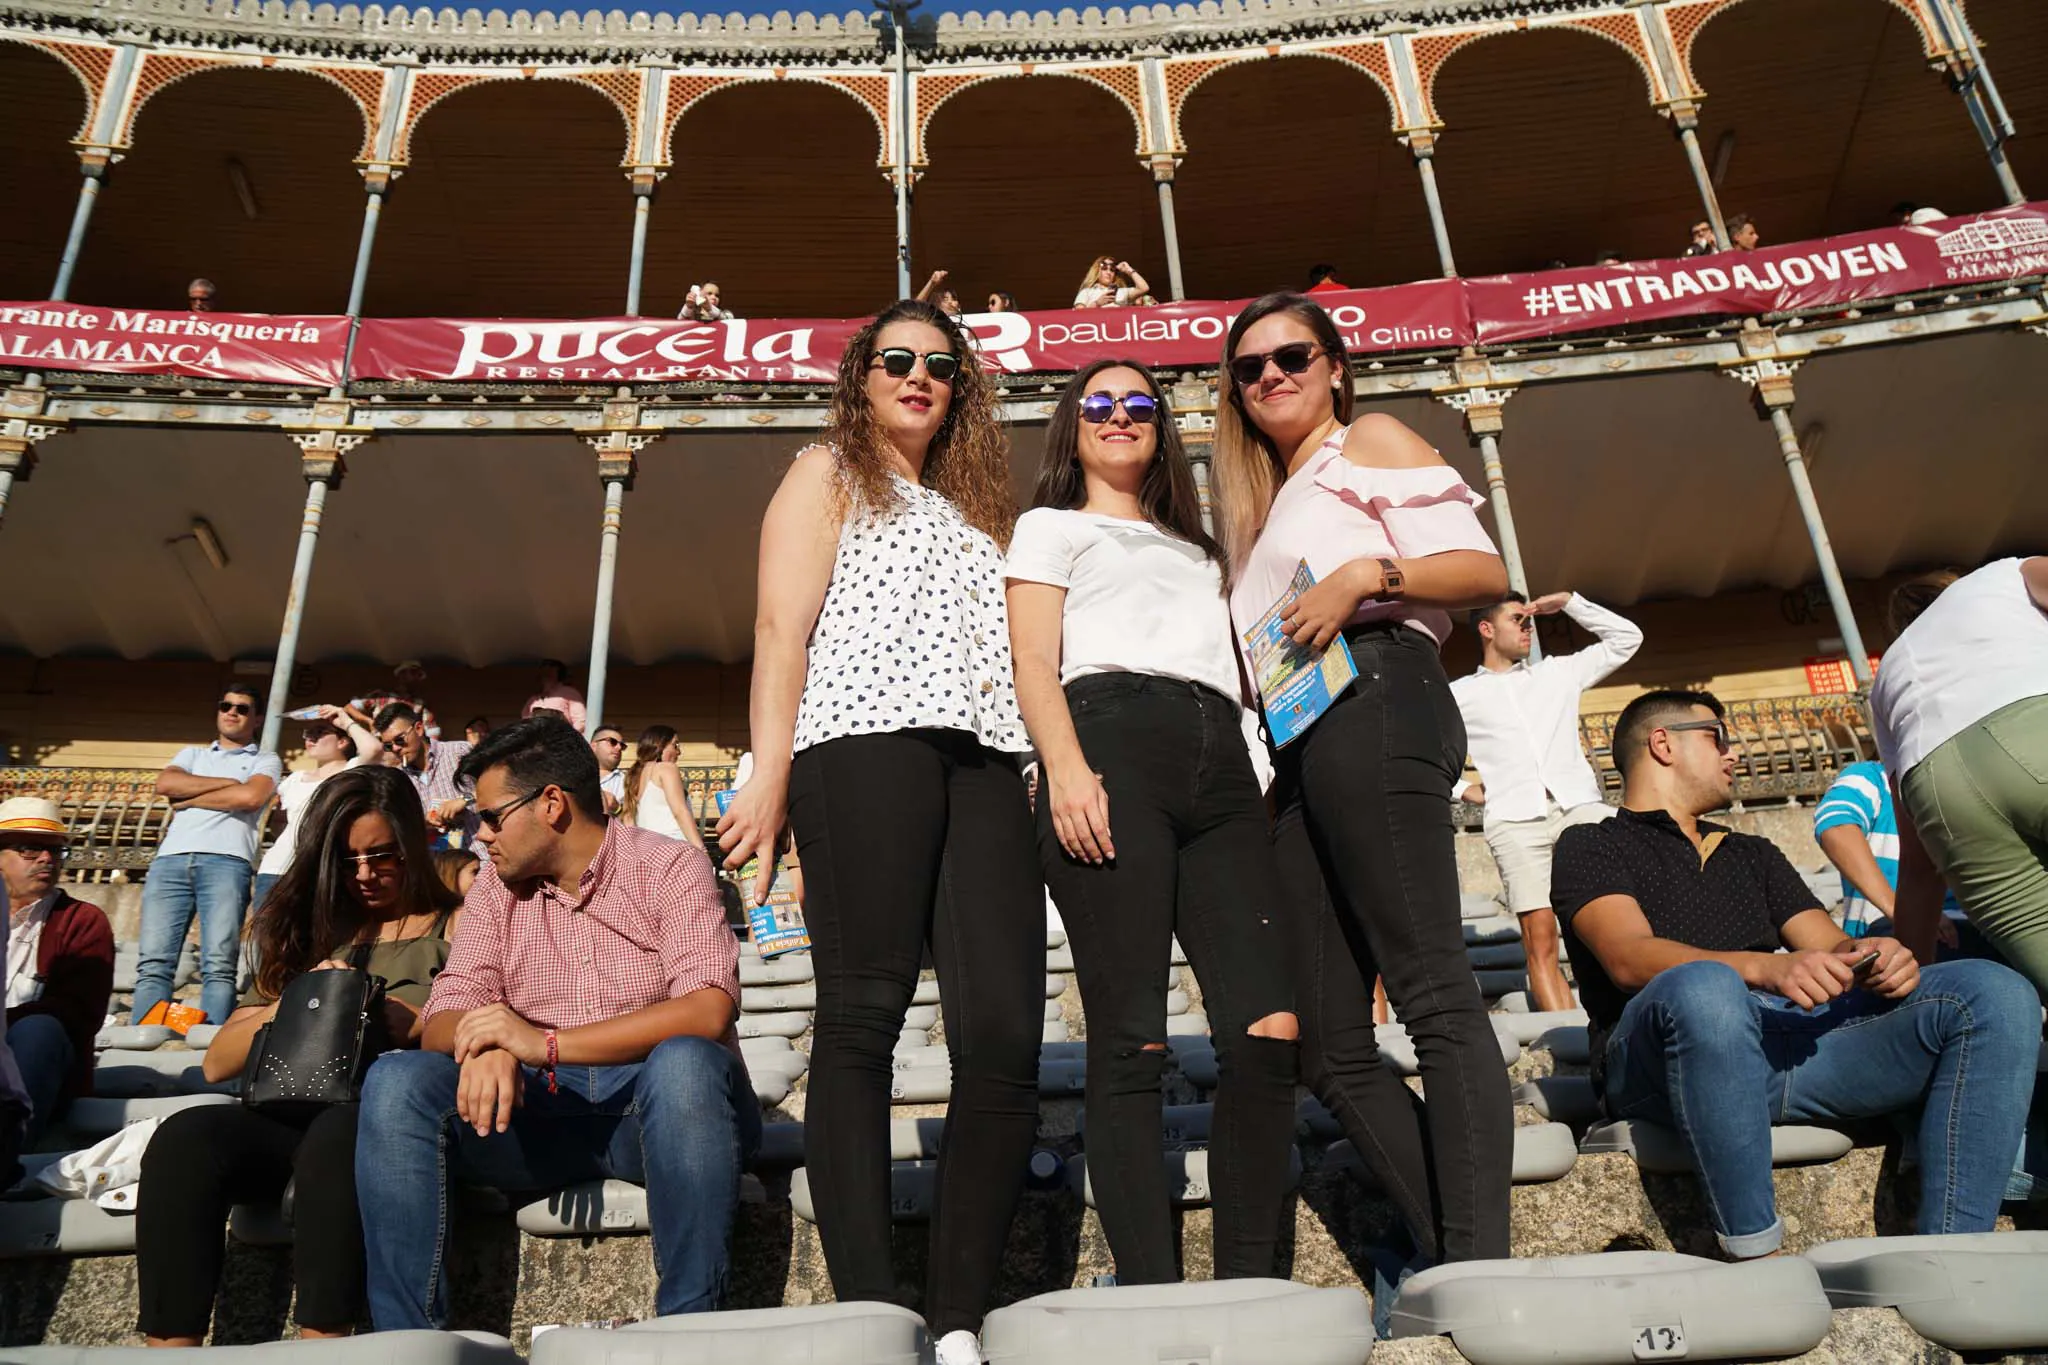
{"points": [[1296, 684]]}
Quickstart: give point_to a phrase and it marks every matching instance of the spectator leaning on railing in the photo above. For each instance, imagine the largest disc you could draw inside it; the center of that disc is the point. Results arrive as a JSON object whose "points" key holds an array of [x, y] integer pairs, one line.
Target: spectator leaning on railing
{"points": [[206, 862], [1700, 1022]]}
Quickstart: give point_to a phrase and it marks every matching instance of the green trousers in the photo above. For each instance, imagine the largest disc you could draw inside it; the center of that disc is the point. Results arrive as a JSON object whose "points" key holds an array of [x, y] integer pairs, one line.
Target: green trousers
{"points": [[1981, 804]]}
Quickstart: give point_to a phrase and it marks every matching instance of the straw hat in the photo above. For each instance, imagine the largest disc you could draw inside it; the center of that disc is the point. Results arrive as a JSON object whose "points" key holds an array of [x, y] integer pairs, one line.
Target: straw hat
{"points": [[32, 816]]}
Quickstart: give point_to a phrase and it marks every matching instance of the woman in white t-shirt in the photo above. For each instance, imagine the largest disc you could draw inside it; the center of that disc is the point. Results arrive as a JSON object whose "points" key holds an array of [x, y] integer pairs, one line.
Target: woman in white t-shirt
{"points": [[1128, 679], [335, 742]]}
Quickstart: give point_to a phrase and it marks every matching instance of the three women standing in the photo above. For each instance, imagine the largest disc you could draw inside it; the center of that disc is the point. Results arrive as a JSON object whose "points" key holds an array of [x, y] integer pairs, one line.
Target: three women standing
{"points": [[885, 725]]}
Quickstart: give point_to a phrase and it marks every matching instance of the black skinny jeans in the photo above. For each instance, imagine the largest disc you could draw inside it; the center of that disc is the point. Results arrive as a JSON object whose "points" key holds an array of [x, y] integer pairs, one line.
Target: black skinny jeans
{"points": [[1370, 875], [203, 1161], [908, 838], [1193, 853]]}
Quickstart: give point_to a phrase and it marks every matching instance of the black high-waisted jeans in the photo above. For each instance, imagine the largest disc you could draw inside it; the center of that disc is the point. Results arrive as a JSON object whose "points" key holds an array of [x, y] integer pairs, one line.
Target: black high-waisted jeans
{"points": [[1370, 871], [1193, 854], [908, 838]]}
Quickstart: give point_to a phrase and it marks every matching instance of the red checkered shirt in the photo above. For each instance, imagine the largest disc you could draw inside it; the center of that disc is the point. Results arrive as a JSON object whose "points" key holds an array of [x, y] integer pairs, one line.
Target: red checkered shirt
{"points": [[646, 925]]}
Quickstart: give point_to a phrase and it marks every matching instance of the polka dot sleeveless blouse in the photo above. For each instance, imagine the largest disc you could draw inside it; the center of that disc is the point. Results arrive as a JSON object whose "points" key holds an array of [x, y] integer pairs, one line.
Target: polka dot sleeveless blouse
{"points": [[913, 633]]}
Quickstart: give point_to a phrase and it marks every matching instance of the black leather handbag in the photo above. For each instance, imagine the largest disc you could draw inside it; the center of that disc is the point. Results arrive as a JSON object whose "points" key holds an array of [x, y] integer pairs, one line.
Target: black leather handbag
{"points": [[314, 1053]]}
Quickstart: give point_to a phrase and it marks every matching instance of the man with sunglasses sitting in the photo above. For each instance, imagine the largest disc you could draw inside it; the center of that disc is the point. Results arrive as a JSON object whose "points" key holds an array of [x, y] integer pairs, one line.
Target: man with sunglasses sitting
{"points": [[206, 863], [1724, 999], [583, 1029]]}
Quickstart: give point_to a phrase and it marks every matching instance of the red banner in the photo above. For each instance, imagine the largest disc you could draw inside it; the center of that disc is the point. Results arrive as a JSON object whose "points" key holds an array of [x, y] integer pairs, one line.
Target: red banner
{"points": [[1980, 249], [249, 347], [645, 351], [1984, 248]]}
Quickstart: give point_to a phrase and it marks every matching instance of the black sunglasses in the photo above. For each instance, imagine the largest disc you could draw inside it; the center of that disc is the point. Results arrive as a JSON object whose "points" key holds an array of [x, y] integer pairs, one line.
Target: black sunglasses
{"points": [[494, 819], [1098, 408], [1292, 358], [1718, 727], [899, 361], [240, 708]]}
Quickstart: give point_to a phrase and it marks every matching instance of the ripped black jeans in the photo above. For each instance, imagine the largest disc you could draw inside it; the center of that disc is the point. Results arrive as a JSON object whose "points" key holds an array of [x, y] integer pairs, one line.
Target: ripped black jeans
{"points": [[1194, 856]]}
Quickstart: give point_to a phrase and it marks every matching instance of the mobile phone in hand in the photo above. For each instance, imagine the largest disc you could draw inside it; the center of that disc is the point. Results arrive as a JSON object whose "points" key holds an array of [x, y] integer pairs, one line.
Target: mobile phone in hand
{"points": [[1862, 965]]}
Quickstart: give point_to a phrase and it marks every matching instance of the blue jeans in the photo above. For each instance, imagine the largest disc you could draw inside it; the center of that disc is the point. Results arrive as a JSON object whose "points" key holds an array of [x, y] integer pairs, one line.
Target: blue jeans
{"points": [[213, 886], [1700, 1051], [43, 1051], [683, 1123]]}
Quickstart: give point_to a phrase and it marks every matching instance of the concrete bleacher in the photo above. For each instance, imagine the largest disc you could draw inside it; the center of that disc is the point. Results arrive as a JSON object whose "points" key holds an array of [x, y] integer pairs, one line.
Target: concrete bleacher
{"points": [[67, 1269]]}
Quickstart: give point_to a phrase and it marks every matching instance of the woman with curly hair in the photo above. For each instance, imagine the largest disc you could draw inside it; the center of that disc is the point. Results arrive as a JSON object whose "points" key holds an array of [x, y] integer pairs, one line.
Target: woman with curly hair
{"points": [[361, 878], [885, 730]]}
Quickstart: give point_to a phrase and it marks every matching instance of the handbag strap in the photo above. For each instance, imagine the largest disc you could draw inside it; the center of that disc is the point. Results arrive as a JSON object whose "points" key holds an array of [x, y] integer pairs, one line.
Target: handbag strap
{"points": [[359, 957]]}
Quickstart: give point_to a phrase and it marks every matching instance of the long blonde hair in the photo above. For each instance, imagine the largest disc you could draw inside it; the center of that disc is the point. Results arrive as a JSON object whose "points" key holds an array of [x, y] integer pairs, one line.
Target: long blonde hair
{"points": [[1095, 267], [1245, 468], [969, 459], [653, 740]]}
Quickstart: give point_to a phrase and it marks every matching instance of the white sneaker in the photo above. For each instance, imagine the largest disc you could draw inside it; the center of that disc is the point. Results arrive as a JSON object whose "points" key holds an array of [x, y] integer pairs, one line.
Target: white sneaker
{"points": [[959, 1348]]}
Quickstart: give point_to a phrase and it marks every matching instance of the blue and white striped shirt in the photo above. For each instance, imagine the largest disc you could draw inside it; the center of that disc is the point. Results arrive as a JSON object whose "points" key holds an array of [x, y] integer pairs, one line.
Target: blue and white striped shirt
{"points": [[1862, 796]]}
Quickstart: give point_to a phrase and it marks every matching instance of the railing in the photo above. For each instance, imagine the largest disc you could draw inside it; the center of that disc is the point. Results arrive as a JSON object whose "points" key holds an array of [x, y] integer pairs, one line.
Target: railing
{"points": [[1785, 748]]}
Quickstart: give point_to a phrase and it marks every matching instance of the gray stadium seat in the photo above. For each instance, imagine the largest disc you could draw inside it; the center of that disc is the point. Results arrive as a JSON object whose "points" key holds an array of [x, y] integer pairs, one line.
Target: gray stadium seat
{"points": [[1177, 1002], [128, 960], [921, 1017], [911, 1187], [1474, 906], [1660, 1151], [1493, 984], [921, 1085], [1517, 1002], [200, 1036], [134, 1037], [787, 1063], [774, 999], [1180, 1125], [772, 1023], [1053, 1011], [1569, 1100], [1617, 1308], [782, 1144], [1397, 1049], [911, 1040], [97, 1116], [770, 1087], [790, 970], [1272, 1322], [377, 1348], [1061, 1076], [1499, 929], [1060, 959], [1054, 937], [1054, 1031], [1187, 1177], [821, 1334], [1193, 1024], [1567, 1043], [1543, 1152], [1975, 1291], [1055, 986], [928, 1055], [1176, 954], [260, 1225], [62, 1227], [122, 1074], [1497, 956], [1525, 1027], [1198, 1066], [927, 992]]}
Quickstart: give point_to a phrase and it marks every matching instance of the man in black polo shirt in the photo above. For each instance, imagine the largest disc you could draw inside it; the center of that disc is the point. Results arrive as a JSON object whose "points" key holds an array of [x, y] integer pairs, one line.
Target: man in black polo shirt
{"points": [[1699, 1021]]}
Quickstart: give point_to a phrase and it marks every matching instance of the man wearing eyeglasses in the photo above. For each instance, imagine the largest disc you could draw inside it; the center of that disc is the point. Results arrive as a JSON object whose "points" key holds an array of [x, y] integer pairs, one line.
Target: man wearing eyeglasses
{"points": [[1522, 731], [1724, 999], [433, 765], [60, 962], [609, 744], [583, 1029], [207, 861]]}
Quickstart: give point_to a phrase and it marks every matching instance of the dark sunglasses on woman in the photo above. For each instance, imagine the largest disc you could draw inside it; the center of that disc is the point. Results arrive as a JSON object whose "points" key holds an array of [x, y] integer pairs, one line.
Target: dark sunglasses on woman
{"points": [[1098, 408], [1292, 358], [899, 361]]}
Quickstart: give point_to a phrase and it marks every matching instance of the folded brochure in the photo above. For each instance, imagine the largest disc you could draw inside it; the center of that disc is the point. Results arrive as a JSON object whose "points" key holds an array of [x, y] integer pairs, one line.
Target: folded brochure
{"points": [[778, 926], [1296, 684]]}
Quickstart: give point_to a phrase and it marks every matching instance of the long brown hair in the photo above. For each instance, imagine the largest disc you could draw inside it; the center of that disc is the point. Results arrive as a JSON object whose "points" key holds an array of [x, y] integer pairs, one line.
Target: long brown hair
{"points": [[1246, 470], [969, 459], [312, 912], [1167, 495], [653, 740]]}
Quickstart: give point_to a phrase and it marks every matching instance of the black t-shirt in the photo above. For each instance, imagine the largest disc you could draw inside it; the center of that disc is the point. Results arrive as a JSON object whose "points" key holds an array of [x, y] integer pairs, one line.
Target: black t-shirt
{"points": [[1733, 900]]}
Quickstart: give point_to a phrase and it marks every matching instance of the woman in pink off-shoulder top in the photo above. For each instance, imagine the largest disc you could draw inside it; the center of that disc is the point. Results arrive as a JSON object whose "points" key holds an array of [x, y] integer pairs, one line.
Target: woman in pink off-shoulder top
{"points": [[1363, 797]]}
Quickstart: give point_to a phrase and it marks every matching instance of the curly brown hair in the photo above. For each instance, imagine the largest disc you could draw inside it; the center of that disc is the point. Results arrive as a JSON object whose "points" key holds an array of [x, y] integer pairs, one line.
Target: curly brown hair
{"points": [[969, 459]]}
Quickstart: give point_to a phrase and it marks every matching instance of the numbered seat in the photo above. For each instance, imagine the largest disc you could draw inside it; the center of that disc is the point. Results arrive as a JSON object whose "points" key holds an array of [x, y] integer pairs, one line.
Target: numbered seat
{"points": [[821, 1334], [134, 1037], [1570, 1100], [789, 970], [1187, 1177], [1272, 1322], [772, 1023], [1661, 1151], [924, 1017], [1567, 1043], [1974, 1292], [1498, 929], [912, 1185], [62, 1227], [1526, 1027], [1543, 1152], [97, 1116], [1508, 956], [778, 999], [1617, 1308], [376, 1348]]}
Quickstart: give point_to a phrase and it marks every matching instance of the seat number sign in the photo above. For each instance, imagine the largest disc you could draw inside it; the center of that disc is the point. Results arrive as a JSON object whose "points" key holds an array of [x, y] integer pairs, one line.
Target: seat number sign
{"points": [[1660, 1343]]}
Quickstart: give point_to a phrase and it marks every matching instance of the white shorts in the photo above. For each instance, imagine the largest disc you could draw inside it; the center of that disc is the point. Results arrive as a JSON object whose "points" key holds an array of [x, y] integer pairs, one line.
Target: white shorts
{"points": [[1521, 849]]}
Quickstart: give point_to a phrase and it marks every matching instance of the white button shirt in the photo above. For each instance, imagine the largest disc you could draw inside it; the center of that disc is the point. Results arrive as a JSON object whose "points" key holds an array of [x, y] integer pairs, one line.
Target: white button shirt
{"points": [[1522, 724]]}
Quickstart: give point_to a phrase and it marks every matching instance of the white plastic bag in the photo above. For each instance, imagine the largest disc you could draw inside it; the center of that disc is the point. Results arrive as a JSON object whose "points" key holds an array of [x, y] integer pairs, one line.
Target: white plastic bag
{"points": [[112, 1163]]}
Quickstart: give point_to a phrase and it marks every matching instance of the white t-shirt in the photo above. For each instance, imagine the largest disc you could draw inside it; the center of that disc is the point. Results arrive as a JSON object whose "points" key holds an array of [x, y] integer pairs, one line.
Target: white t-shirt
{"points": [[1981, 646], [292, 795], [1138, 600]]}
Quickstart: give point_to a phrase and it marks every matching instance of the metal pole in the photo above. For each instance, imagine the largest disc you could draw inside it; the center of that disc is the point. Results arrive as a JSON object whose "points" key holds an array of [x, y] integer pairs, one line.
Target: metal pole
{"points": [[1823, 550], [643, 203], [373, 211], [6, 490], [1971, 79], [601, 624], [1503, 515], [1423, 145], [1688, 134], [1172, 234], [294, 614], [88, 195], [899, 15]]}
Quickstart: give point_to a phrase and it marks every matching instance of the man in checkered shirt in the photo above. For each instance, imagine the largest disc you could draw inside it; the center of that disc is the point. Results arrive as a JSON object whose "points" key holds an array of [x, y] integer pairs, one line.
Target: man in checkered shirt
{"points": [[582, 1029]]}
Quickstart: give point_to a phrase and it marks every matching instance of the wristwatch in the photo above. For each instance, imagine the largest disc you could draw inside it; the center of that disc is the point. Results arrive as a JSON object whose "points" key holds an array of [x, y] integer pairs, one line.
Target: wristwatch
{"points": [[1392, 582]]}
